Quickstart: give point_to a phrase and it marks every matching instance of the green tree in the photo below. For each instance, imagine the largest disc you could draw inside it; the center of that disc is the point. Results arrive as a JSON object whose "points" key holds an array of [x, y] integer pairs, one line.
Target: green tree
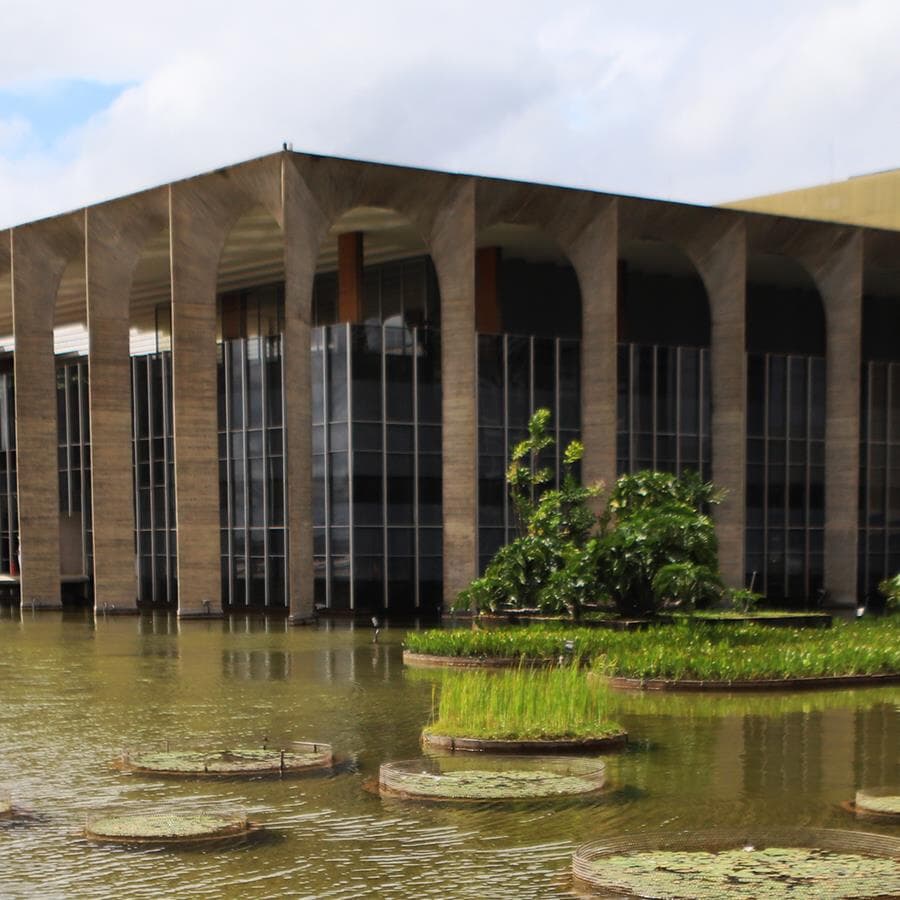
{"points": [[654, 520], [890, 590], [548, 566]]}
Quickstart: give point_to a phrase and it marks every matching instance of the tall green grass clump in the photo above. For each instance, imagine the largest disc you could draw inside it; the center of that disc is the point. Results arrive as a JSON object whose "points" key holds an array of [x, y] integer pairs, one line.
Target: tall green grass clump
{"points": [[522, 704]]}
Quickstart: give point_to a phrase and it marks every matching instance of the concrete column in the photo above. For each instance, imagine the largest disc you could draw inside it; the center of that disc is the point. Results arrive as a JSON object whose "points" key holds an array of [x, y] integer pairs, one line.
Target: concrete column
{"points": [[111, 251], [595, 257], [838, 271], [724, 270], [303, 222], [196, 230], [453, 252], [350, 277], [38, 258], [488, 315]]}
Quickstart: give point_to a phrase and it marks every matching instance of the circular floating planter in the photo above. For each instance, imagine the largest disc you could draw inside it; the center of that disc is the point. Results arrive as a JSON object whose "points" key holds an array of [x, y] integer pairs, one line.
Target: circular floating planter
{"points": [[169, 829], [601, 743], [302, 757], [877, 803], [799, 864], [511, 778]]}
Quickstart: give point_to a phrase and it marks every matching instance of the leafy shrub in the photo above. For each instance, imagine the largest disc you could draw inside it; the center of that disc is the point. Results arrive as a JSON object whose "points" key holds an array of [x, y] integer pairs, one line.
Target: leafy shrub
{"points": [[890, 589]]}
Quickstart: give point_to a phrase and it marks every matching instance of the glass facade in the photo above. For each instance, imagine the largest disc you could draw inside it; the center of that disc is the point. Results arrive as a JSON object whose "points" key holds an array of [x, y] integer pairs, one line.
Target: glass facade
{"points": [[517, 375], [785, 475], [74, 458], [664, 409], [879, 506], [252, 491], [377, 492], [9, 512], [154, 480], [251, 473]]}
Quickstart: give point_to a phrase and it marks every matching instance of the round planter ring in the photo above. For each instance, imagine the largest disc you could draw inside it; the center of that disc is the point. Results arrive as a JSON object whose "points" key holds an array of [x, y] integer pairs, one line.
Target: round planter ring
{"points": [[431, 661], [606, 743], [760, 684]]}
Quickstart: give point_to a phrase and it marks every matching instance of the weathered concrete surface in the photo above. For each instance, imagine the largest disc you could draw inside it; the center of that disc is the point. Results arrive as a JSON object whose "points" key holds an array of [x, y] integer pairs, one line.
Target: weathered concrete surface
{"points": [[39, 255], [304, 225], [838, 271], [115, 234]]}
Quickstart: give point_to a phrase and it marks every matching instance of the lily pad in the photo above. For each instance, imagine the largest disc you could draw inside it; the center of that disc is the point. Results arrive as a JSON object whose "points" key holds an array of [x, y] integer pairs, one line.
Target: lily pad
{"points": [[165, 827], [511, 779], [745, 873], [226, 762]]}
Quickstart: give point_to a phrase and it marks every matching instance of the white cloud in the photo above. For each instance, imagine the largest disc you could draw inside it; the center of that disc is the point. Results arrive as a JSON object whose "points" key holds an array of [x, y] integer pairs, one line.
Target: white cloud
{"points": [[701, 101]]}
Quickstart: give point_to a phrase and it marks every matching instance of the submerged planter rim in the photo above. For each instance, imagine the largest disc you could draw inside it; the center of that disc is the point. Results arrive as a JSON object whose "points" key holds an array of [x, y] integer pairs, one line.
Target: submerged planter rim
{"points": [[537, 746], [862, 813], [799, 683]]}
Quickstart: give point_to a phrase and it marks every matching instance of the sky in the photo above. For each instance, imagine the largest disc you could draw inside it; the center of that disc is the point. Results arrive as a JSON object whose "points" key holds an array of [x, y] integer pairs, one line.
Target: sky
{"points": [[696, 101]]}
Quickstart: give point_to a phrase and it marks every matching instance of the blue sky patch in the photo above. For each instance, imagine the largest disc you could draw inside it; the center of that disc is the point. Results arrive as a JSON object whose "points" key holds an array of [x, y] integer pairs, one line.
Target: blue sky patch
{"points": [[52, 109]]}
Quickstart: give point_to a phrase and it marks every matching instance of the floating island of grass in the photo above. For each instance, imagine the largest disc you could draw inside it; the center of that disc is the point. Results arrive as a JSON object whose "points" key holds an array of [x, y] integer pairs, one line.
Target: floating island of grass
{"points": [[178, 829], [243, 761], [485, 778], [779, 865], [523, 710], [878, 801], [5, 805], [691, 650]]}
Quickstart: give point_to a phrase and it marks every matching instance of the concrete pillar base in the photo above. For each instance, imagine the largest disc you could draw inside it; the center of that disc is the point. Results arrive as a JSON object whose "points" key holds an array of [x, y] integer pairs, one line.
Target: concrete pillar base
{"points": [[303, 620], [41, 606], [199, 615], [117, 611]]}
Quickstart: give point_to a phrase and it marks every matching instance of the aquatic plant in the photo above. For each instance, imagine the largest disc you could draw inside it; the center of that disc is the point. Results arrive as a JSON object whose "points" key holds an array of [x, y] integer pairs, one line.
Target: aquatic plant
{"points": [[769, 873], [224, 762], [689, 649], [522, 703], [165, 826], [890, 590]]}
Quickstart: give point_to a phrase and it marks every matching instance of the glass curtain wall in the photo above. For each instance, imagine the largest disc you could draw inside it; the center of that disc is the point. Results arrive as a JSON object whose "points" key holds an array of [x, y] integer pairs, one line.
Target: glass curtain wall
{"points": [[664, 405], [879, 535], [518, 374], [9, 512], [785, 505], [377, 467], [785, 475], [154, 480], [74, 452], [664, 409], [252, 491]]}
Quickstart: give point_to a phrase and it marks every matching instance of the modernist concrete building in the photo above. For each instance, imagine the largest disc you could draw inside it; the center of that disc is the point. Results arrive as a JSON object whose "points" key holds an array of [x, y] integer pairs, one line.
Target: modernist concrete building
{"points": [[292, 383]]}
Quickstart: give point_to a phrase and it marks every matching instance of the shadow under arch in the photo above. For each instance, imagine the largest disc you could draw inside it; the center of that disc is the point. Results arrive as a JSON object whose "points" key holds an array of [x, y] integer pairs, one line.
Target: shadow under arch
{"points": [[785, 497], [376, 381], [528, 319], [664, 406], [879, 514]]}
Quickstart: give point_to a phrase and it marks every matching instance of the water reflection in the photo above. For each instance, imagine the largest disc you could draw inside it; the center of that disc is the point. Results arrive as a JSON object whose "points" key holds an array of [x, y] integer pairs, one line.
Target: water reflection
{"points": [[73, 697]]}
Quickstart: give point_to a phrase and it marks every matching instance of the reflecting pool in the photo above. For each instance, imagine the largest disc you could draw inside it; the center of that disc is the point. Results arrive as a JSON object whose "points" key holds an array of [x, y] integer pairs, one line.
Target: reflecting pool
{"points": [[74, 693]]}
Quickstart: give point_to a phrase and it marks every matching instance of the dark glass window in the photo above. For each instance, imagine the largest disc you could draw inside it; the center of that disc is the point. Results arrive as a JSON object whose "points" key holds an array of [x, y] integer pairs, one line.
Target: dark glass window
{"points": [[517, 375], [664, 409], [151, 383]]}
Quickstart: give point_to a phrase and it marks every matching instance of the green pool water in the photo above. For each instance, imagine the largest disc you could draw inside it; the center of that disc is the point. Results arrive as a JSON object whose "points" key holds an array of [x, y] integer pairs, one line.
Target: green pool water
{"points": [[74, 693]]}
